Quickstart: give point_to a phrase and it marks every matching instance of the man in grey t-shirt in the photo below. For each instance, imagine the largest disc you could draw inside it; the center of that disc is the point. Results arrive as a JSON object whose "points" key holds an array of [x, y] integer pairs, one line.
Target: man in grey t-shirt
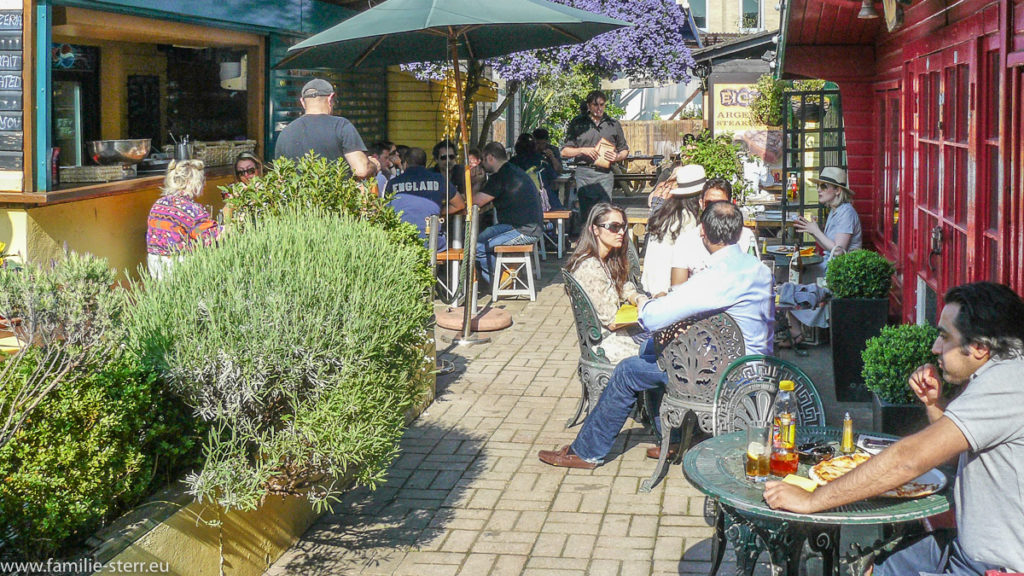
{"points": [[321, 132], [981, 349]]}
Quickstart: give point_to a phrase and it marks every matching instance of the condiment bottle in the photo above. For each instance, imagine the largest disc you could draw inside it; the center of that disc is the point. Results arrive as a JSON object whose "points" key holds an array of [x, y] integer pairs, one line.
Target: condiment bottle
{"points": [[792, 187], [846, 447], [784, 459]]}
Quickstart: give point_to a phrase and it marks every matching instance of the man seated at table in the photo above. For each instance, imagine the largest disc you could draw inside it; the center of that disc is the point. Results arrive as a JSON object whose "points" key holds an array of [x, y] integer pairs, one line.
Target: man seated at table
{"points": [[690, 256], [981, 349], [516, 202], [735, 282], [421, 193]]}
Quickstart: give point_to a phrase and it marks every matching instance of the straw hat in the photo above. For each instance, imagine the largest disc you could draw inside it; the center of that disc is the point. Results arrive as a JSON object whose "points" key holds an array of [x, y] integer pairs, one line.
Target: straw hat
{"points": [[834, 176], [689, 180]]}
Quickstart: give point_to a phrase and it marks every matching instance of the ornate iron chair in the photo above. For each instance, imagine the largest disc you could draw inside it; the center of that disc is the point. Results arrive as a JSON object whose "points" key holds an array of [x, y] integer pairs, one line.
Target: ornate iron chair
{"points": [[744, 397], [692, 353], [594, 368]]}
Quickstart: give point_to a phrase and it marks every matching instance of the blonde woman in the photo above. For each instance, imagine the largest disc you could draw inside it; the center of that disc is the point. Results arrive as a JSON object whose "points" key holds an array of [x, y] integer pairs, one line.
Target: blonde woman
{"points": [[176, 222]]}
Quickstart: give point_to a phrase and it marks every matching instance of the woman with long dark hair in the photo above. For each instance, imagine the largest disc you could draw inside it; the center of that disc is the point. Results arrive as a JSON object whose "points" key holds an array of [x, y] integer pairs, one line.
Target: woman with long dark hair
{"points": [[601, 265], [678, 214]]}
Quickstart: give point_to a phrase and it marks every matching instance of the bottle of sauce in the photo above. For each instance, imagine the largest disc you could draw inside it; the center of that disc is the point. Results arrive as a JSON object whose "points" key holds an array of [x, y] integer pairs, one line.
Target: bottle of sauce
{"points": [[792, 187], [784, 459], [846, 446]]}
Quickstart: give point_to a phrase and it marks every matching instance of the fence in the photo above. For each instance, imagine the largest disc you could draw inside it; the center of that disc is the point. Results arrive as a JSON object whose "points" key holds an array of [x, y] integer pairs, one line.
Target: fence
{"points": [[659, 136]]}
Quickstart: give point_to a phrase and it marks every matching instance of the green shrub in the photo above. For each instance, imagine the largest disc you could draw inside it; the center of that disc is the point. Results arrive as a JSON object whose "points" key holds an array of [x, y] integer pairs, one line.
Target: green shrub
{"points": [[720, 157], [892, 356], [91, 449], [300, 340], [766, 107], [859, 274]]}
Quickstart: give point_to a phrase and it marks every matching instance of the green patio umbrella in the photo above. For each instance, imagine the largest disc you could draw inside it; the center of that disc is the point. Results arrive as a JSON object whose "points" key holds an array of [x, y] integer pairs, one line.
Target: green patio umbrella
{"points": [[403, 31]]}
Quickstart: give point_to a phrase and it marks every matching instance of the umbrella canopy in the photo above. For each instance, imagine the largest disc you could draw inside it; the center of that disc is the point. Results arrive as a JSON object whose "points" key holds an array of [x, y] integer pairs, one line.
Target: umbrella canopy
{"points": [[402, 31]]}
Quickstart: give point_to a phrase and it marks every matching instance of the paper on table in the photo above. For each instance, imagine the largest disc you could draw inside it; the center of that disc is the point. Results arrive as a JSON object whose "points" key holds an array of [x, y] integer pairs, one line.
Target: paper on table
{"points": [[603, 146], [626, 314]]}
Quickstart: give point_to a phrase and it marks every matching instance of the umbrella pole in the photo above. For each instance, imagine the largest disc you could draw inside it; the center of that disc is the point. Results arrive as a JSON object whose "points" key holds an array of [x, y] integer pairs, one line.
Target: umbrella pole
{"points": [[470, 268]]}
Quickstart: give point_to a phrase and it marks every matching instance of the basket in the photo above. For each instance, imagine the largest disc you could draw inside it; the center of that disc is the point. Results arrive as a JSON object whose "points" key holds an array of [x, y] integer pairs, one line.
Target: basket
{"points": [[78, 174], [218, 153]]}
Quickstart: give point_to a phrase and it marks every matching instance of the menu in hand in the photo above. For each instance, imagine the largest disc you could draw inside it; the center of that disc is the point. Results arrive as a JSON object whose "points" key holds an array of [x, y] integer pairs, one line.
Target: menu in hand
{"points": [[602, 147], [626, 314]]}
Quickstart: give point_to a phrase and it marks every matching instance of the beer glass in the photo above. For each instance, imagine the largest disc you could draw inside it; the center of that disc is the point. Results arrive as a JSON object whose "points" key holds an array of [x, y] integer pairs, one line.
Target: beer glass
{"points": [[759, 449]]}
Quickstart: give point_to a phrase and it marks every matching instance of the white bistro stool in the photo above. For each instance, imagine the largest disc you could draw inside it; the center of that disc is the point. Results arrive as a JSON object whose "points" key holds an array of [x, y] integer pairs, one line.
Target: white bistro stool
{"points": [[514, 260]]}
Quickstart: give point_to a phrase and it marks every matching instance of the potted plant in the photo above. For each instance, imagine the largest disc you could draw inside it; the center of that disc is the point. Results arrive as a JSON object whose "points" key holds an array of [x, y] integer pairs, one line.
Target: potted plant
{"points": [[766, 107], [859, 282], [809, 108], [889, 360]]}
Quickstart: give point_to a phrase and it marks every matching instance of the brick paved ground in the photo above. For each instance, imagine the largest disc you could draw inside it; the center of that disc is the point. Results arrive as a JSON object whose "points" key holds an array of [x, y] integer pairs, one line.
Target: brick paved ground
{"points": [[468, 496]]}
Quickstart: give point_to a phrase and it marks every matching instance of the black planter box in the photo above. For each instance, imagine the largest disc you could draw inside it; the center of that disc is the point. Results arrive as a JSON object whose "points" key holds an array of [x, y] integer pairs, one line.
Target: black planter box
{"points": [[898, 419], [853, 321]]}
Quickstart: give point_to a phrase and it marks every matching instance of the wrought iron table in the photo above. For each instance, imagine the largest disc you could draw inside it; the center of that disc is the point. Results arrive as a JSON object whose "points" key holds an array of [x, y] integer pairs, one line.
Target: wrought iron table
{"points": [[715, 467]]}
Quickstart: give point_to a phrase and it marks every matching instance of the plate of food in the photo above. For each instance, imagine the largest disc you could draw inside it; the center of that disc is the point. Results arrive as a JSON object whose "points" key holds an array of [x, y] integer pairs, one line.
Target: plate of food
{"points": [[928, 483], [781, 249]]}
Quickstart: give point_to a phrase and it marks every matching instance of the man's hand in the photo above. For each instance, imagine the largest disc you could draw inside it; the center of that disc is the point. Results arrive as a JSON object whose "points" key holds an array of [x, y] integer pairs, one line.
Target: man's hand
{"points": [[610, 155], [782, 496], [589, 152], [927, 385]]}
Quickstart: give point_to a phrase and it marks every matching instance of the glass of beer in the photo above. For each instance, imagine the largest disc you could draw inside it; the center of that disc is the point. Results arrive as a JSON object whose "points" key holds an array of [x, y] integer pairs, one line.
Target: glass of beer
{"points": [[759, 449]]}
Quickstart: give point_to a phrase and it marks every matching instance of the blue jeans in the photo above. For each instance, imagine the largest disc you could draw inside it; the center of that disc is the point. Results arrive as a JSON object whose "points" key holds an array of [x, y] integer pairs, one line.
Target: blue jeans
{"points": [[497, 235], [632, 377], [930, 557]]}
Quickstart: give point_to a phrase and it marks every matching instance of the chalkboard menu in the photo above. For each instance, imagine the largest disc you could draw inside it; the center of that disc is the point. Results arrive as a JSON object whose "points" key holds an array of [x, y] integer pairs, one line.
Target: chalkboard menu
{"points": [[11, 134], [361, 96]]}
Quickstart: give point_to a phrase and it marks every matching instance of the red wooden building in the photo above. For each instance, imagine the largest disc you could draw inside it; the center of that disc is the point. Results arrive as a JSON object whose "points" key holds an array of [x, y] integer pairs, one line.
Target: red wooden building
{"points": [[934, 124]]}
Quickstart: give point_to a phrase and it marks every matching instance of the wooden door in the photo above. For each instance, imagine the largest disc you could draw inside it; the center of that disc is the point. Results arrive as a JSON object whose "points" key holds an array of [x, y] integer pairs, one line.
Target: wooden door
{"points": [[941, 175]]}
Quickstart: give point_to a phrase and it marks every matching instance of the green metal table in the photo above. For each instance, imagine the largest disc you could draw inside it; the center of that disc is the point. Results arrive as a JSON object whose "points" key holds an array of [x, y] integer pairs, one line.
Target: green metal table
{"points": [[715, 467]]}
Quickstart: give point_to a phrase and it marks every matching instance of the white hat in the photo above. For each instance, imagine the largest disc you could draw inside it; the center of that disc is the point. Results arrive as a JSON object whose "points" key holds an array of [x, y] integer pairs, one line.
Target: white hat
{"points": [[834, 176], [689, 180]]}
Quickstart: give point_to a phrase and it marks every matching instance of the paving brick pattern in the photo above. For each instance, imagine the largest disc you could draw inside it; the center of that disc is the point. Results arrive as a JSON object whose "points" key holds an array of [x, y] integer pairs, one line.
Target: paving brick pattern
{"points": [[467, 495]]}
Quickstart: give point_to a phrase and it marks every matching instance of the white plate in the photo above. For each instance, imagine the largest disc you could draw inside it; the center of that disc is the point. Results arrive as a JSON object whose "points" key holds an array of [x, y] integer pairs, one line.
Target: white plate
{"points": [[930, 482], [783, 249]]}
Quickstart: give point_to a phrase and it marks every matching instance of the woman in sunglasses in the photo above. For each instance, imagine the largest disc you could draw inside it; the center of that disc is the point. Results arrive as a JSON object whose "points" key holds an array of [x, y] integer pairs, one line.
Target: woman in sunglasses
{"points": [[446, 160], [247, 167], [601, 266]]}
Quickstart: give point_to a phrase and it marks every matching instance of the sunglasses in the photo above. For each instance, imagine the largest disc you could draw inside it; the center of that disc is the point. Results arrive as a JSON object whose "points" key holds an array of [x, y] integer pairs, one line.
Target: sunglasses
{"points": [[246, 171], [446, 157], [613, 227]]}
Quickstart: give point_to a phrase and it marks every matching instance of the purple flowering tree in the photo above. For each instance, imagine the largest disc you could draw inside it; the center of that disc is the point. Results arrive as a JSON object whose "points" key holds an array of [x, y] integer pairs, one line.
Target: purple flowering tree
{"points": [[651, 50]]}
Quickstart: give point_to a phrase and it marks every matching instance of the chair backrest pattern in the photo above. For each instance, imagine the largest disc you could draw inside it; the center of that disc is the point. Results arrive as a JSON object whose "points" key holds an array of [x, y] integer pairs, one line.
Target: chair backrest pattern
{"points": [[747, 389], [588, 326], [693, 353]]}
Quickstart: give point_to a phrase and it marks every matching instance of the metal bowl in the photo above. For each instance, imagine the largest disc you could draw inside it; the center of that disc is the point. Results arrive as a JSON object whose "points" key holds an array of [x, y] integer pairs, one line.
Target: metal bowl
{"points": [[109, 152]]}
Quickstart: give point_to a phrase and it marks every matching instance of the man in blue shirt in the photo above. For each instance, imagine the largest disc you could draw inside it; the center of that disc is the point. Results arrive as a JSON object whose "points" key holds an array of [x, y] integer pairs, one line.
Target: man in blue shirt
{"points": [[734, 282], [421, 193]]}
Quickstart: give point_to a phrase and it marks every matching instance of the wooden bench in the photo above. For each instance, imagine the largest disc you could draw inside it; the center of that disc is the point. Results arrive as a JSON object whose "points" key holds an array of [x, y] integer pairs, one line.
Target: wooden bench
{"points": [[559, 217]]}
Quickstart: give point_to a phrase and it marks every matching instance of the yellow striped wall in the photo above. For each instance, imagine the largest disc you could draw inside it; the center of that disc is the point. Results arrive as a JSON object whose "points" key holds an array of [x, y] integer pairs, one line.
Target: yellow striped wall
{"points": [[414, 111]]}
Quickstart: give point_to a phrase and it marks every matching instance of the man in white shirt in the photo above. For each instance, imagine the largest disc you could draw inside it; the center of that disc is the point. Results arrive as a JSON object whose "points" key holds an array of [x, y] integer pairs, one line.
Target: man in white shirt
{"points": [[735, 282], [690, 255], [981, 349]]}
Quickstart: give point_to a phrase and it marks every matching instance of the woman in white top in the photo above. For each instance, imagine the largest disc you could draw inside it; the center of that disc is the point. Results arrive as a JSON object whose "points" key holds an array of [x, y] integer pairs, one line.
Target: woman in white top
{"points": [[601, 265], [842, 233], [668, 224]]}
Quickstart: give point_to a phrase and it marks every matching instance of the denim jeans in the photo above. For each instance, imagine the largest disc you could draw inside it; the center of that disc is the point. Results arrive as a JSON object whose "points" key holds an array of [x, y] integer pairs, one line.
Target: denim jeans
{"points": [[497, 235], [932, 556], [632, 376]]}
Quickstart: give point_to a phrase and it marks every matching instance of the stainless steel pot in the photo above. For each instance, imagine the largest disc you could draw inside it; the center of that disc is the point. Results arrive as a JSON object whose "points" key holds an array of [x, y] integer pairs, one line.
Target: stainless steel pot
{"points": [[109, 152]]}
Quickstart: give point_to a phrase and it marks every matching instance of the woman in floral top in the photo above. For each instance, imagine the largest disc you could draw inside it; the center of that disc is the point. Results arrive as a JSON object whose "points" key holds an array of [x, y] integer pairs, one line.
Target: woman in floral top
{"points": [[601, 265], [175, 221]]}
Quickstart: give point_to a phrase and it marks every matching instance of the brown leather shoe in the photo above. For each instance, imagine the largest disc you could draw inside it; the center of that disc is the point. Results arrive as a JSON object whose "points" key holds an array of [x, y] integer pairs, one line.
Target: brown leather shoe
{"points": [[562, 457], [654, 452]]}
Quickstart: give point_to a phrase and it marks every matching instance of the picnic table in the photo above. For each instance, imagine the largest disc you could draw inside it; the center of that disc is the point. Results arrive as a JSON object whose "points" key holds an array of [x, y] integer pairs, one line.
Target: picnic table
{"points": [[715, 467]]}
